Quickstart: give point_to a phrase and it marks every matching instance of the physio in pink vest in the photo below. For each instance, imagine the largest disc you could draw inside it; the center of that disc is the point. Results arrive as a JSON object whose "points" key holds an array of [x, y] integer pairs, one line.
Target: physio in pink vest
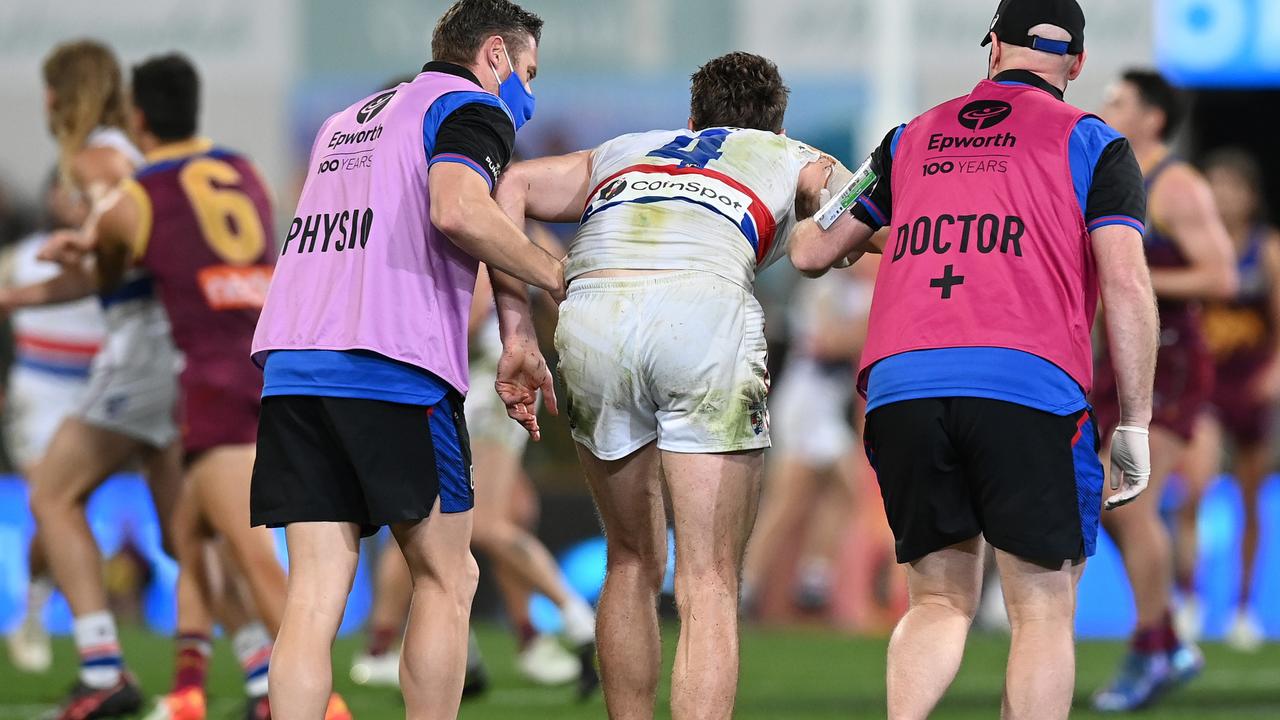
{"points": [[363, 343], [1007, 212]]}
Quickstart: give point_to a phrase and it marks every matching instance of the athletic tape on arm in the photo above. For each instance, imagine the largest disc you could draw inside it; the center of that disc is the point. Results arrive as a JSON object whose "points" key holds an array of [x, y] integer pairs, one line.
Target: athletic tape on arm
{"points": [[848, 195]]}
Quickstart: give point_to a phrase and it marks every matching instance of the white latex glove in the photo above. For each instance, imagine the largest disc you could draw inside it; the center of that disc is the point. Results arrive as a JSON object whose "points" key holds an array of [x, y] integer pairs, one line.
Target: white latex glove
{"points": [[1130, 465]]}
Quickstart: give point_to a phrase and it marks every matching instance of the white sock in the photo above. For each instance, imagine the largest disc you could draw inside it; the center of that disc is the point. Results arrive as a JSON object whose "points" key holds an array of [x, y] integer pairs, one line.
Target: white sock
{"points": [[579, 622], [252, 644], [99, 646]]}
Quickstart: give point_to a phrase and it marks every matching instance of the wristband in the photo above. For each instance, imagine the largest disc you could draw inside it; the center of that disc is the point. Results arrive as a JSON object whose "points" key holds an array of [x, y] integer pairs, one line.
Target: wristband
{"points": [[848, 196]]}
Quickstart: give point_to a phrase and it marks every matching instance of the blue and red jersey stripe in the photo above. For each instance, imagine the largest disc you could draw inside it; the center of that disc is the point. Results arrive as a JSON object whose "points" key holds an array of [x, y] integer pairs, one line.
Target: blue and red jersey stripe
{"points": [[757, 225]]}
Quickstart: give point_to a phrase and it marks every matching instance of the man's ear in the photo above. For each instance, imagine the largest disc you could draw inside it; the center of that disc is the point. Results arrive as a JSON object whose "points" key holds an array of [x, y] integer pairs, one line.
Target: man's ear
{"points": [[491, 52], [1077, 67], [995, 55], [690, 126], [783, 132]]}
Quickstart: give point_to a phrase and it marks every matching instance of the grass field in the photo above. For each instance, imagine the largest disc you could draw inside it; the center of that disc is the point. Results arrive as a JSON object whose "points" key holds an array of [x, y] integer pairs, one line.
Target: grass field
{"points": [[793, 674]]}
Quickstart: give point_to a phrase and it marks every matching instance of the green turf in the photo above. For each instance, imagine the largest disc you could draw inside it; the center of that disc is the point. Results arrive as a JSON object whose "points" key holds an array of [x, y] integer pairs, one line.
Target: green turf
{"points": [[789, 674]]}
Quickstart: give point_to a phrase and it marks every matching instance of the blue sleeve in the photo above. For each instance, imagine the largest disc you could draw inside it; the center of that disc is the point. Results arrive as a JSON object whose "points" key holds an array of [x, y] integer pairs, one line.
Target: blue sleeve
{"points": [[470, 128], [1106, 177]]}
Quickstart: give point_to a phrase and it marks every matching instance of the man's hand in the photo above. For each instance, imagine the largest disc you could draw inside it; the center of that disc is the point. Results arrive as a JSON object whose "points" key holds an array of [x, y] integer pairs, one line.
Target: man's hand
{"points": [[560, 292], [66, 247], [1130, 464], [522, 372]]}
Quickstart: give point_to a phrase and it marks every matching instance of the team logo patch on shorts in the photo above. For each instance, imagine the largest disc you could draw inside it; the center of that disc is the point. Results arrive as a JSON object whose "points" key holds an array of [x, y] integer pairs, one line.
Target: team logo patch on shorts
{"points": [[115, 405], [759, 420]]}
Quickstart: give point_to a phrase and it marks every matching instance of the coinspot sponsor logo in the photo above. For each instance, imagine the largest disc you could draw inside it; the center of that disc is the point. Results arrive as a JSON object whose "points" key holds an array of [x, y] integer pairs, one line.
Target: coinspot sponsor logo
{"points": [[613, 189], [983, 114], [373, 107]]}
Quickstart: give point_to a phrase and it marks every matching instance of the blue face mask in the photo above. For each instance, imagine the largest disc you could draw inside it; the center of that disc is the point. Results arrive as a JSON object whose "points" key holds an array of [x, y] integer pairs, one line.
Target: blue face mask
{"points": [[513, 92]]}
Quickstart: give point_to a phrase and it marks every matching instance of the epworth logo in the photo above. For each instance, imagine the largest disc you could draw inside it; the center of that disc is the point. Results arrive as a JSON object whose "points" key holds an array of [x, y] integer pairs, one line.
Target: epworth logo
{"points": [[373, 107], [983, 114]]}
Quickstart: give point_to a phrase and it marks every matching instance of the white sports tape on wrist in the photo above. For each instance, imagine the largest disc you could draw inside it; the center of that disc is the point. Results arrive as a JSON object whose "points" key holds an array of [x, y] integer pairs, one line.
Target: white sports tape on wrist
{"points": [[864, 178]]}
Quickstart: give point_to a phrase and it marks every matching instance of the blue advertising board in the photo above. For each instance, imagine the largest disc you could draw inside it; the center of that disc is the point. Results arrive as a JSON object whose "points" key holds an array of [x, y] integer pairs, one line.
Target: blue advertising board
{"points": [[1219, 43]]}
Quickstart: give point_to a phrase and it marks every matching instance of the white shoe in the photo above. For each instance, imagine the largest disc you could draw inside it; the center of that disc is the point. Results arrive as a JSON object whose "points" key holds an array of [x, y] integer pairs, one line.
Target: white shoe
{"points": [[546, 662], [29, 648], [1245, 633], [1188, 618], [380, 671], [579, 623]]}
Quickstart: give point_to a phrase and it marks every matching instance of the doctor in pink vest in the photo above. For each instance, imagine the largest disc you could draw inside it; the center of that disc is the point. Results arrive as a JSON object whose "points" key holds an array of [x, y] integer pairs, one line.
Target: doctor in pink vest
{"points": [[363, 343], [1008, 212]]}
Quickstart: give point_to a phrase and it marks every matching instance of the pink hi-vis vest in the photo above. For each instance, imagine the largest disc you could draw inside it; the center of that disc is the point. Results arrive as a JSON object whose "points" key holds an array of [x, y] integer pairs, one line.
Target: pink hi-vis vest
{"points": [[987, 244], [362, 267]]}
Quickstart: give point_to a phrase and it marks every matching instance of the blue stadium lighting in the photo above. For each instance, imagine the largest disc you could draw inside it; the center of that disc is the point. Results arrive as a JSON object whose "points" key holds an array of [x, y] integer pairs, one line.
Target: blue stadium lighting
{"points": [[1219, 43]]}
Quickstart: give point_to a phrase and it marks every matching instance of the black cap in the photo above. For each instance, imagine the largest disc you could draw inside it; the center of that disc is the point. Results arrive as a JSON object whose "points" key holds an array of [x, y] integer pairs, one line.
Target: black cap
{"points": [[1015, 18]]}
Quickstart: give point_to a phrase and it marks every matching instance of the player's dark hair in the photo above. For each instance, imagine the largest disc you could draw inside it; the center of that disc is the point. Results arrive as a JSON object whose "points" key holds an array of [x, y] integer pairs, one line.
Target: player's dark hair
{"points": [[166, 89], [1156, 92], [467, 24], [738, 90], [1246, 166]]}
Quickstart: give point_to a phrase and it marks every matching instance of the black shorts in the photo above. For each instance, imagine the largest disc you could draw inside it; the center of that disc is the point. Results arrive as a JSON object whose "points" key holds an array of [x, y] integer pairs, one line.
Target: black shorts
{"points": [[953, 468], [368, 462]]}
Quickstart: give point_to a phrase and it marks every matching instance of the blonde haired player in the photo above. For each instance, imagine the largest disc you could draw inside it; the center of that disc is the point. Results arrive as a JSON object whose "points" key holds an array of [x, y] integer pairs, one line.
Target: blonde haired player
{"points": [[127, 413]]}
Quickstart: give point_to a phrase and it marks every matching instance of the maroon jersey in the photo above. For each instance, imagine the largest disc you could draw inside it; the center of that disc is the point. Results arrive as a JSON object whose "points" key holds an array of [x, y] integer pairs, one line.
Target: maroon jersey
{"points": [[1240, 334], [1184, 368], [205, 237]]}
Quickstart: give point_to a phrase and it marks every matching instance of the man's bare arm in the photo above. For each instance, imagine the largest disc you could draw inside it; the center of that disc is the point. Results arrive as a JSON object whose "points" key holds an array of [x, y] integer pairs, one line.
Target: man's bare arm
{"points": [[1184, 206], [463, 210], [562, 183], [1132, 322], [814, 251], [73, 283]]}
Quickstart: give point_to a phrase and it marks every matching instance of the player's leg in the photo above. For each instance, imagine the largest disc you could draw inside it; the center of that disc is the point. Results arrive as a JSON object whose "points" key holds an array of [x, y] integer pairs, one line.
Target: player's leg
{"points": [[434, 656], [322, 566], [540, 657], [379, 663], [927, 645], [220, 477], [1253, 463], [165, 479], [1041, 602], [515, 548], [1200, 465], [78, 460], [1151, 664], [193, 639], [28, 643], [714, 500], [788, 495], [826, 533], [251, 641], [35, 406], [1142, 536], [628, 495]]}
